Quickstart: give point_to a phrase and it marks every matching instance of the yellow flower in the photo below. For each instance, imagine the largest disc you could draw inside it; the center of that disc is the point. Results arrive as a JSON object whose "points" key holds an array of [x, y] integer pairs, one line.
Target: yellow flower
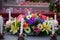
{"points": [[46, 27], [14, 27]]}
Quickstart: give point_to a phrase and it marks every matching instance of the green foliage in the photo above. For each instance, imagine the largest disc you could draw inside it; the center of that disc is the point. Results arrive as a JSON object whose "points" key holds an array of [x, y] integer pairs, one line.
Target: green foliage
{"points": [[44, 33], [52, 6], [58, 14], [58, 31]]}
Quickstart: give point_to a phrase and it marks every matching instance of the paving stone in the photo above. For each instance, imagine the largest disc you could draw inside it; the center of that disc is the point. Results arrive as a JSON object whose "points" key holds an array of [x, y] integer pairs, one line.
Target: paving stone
{"points": [[13, 37]]}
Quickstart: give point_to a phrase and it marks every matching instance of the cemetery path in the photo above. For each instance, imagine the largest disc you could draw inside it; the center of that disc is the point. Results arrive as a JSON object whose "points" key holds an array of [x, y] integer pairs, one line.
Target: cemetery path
{"points": [[13, 37]]}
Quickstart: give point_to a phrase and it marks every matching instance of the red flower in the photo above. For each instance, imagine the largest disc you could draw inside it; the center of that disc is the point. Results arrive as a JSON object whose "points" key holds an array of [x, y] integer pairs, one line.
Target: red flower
{"points": [[36, 30]]}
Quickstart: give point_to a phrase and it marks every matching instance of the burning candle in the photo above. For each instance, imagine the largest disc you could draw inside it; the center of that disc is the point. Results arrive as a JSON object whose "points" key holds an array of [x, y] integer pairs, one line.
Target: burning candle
{"points": [[21, 28], [1, 24]]}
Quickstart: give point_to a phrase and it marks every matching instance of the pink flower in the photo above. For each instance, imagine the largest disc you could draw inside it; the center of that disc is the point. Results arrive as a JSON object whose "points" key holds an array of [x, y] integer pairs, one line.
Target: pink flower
{"points": [[36, 30], [19, 17]]}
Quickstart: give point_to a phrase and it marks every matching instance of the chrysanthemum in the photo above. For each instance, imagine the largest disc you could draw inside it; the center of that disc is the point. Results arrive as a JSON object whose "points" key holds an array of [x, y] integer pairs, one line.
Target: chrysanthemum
{"points": [[40, 26], [46, 27]]}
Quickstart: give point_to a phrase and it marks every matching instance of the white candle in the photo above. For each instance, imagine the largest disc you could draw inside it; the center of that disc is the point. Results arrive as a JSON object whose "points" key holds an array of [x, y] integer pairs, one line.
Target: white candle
{"points": [[21, 28], [29, 12], [55, 16], [9, 14], [15, 21], [53, 27], [1, 24]]}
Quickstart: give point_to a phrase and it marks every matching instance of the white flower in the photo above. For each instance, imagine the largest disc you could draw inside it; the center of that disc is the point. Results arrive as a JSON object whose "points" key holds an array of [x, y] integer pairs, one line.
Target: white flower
{"points": [[8, 23], [28, 16], [56, 23]]}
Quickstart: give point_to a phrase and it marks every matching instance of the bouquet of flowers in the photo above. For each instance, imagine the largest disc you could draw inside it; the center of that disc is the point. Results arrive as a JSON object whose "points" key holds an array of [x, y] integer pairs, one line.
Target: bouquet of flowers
{"points": [[13, 25], [34, 24]]}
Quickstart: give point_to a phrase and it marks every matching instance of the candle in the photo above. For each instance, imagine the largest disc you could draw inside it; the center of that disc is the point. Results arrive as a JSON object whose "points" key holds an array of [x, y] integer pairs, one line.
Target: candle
{"points": [[53, 27], [9, 14], [1, 24], [15, 21], [28, 12], [55, 16], [21, 28]]}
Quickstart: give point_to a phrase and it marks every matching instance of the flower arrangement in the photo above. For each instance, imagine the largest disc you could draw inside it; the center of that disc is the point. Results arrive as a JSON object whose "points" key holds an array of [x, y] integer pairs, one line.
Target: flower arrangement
{"points": [[13, 25], [34, 23]]}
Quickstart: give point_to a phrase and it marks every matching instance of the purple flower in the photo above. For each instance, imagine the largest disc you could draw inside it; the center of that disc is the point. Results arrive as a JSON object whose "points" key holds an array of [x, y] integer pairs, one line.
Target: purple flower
{"points": [[31, 21], [40, 20], [25, 14]]}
